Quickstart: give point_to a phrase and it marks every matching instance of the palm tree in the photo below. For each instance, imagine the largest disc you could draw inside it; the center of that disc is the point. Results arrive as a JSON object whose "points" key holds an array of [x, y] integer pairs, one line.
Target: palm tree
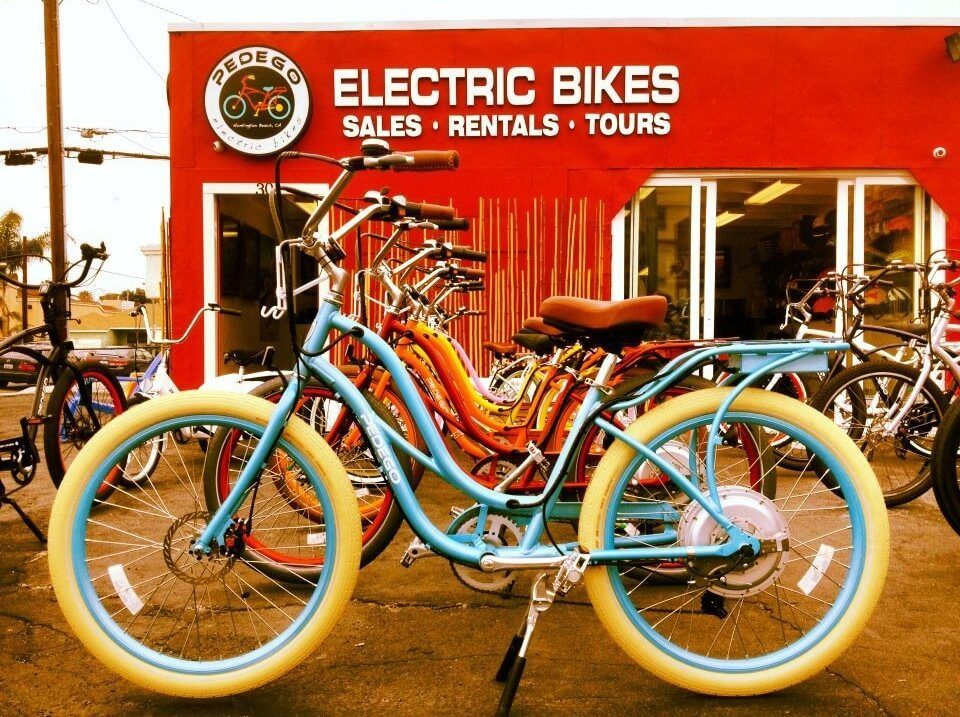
{"points": [[13, 243]]}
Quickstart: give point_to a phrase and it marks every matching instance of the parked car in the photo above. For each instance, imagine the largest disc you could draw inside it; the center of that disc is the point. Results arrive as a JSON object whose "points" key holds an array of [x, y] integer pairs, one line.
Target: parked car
{"points": [[19, 368], [123, 360]]}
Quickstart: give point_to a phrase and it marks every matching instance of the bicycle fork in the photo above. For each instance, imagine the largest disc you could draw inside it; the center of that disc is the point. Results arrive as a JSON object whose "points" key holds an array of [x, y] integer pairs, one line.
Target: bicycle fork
{"points": [[542, 595]]}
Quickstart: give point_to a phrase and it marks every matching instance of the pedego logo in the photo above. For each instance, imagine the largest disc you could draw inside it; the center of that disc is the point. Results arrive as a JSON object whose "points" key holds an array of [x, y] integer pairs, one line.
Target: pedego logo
{"points": [[257, 101]]}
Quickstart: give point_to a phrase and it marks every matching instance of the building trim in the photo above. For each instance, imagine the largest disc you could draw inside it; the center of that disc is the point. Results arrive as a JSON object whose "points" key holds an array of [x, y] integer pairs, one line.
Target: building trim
{"points": [[561, 23]]}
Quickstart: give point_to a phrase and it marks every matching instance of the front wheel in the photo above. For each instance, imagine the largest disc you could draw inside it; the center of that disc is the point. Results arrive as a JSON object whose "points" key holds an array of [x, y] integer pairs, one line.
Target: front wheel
{"points": [[138, 599], [744, 625], [84, 399], [319, 407]]}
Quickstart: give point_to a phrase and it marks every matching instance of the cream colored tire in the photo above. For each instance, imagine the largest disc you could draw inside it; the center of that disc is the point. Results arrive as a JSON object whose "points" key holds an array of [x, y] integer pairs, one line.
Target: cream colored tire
{"points": [[604, 591], [64, 533]]}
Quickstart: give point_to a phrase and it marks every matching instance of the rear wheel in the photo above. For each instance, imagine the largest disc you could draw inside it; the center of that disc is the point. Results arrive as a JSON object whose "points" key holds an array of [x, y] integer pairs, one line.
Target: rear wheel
{"points": [[741, 625], [863, 399]]}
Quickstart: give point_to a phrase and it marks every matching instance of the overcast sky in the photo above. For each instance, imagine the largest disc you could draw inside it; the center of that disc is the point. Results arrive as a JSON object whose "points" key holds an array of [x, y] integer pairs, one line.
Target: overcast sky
{"points": [[115, 59]]}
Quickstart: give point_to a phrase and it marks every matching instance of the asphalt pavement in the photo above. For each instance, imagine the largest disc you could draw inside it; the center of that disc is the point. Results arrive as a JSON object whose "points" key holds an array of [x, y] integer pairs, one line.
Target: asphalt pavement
{"points": [[417, 642]]}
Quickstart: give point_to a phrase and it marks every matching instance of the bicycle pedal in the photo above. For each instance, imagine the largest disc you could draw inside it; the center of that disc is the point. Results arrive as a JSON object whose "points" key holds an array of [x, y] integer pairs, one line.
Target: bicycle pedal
{"points": [[416, 550]]}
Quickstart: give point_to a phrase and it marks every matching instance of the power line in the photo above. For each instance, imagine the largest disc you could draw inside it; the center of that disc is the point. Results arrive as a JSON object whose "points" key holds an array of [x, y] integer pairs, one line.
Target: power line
{"points": [[115, 130], [156, 133], [168, 10], [130, 40], [18, 130], [141, 146]]}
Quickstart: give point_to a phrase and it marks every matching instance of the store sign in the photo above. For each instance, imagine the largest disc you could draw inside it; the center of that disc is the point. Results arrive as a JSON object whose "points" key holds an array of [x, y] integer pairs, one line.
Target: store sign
{"points": [[257, 101], [617, 100]]}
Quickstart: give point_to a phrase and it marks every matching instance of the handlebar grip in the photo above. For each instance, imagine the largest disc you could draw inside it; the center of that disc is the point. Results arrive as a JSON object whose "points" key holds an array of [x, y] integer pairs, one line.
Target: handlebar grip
{"points": [[89, 253], [428, 160], [883, 282], [214, 306], [465, 252], [457, 224], [422, 210], [470, 286], [470, 273]]}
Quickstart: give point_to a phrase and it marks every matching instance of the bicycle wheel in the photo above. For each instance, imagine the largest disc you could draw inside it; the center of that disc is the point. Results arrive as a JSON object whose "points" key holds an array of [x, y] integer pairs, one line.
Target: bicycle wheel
{"points": [[742, 627], [863, 399], [142, 462], [75, 414], [234, 106], [943, 469], [508, 382], [145, 606], [801, 386], [380, 515], [279, 108]]}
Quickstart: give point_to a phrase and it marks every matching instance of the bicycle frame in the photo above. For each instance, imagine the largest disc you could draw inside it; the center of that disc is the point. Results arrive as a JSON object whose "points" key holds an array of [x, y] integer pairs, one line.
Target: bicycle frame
{"points": [[469, 549]]}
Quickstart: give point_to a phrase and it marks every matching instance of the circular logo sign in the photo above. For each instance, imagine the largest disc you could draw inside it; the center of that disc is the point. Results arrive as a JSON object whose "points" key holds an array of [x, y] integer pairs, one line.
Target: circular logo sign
{"points": [[257, 101]]}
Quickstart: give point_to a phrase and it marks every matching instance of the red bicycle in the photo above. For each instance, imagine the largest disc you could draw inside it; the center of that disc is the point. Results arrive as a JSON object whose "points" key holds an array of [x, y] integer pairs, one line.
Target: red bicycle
{"points": [[268, 98]]}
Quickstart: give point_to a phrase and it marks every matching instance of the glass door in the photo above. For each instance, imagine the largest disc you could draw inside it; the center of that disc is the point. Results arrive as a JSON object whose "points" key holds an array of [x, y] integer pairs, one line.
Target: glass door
{"points": [[888, 225], [664, 247]]}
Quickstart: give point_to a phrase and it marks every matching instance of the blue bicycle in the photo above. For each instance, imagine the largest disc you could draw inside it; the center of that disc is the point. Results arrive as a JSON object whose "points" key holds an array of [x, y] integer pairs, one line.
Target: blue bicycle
{"points": [[709, 578]]}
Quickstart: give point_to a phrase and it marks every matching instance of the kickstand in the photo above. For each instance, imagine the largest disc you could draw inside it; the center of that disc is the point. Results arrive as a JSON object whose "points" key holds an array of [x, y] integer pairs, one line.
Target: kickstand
{"points": [[515, 659], [5, 499]]}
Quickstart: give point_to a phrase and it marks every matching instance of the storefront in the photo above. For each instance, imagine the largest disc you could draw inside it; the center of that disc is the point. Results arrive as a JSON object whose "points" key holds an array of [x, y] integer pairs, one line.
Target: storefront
{"points": [[709, 164]]}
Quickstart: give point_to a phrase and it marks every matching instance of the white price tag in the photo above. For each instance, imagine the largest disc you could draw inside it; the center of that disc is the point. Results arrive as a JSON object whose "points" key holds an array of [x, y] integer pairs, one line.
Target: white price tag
{"points": [[317, 538]]}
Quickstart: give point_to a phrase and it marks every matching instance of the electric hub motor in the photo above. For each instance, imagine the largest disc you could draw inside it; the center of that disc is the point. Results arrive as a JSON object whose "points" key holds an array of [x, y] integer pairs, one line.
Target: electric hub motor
{"points": [[753, 513]]}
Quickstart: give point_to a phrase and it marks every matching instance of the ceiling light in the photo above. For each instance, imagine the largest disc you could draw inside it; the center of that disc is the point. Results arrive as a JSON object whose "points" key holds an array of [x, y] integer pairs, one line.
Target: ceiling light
{"points": [[727, 217], [771, 192], [645, 192]]}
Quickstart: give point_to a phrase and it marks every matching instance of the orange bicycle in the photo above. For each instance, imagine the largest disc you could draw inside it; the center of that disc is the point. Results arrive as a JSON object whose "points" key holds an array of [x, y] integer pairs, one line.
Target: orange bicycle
{"points": [[268, 99]]}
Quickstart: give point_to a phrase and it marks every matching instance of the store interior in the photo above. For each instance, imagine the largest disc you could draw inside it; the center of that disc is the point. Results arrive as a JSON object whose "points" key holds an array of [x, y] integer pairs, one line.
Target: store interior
{"points": [[769, 231]]}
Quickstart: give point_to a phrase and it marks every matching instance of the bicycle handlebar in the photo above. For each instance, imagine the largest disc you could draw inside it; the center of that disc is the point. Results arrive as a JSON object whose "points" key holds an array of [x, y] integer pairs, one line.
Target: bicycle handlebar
{"points": [[424, 210], [468, 253], [428, 161], [457, 224], [469, 272], [466, 286], [154, 338], [88, 254]]}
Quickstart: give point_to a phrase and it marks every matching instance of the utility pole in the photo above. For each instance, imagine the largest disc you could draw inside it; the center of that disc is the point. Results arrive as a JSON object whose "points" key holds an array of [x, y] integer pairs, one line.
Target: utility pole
{"points": [[23, 292], [51, 44]]}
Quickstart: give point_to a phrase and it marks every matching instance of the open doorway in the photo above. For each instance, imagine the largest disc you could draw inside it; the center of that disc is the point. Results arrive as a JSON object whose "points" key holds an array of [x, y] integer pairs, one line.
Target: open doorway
{"points": [[241, 244]]}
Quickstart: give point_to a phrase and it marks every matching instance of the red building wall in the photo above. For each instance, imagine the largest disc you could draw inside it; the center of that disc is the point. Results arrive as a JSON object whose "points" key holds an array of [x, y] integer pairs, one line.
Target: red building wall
{"points": [[749, 98]]}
